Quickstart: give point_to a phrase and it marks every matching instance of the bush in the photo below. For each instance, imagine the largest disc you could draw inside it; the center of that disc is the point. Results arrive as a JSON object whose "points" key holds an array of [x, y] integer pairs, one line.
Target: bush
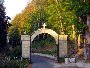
{"points": [[61, 59], [24, 63], [14, 52], [49, 52], [15, 64], [10, 64]]}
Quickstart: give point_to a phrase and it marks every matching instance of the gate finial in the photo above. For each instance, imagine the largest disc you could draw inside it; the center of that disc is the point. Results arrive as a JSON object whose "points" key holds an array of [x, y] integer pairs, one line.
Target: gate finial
{"points": [[44, 25]]}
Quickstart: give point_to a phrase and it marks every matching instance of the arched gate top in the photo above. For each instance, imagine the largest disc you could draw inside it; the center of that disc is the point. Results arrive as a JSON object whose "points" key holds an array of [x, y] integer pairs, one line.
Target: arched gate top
{"points": [[45, 30]]}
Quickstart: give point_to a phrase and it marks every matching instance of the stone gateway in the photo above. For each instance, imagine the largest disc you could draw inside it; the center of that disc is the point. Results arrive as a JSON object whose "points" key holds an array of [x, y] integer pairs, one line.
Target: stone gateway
{"points": [[61, 41]]}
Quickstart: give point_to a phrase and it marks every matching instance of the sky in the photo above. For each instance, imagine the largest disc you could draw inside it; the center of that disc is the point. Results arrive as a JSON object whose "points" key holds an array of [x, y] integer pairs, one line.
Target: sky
{"points": [[14, 7]]}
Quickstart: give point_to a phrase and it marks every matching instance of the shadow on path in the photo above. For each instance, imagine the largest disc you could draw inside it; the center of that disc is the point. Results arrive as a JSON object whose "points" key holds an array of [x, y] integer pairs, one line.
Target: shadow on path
{"points": [[41, 62]]}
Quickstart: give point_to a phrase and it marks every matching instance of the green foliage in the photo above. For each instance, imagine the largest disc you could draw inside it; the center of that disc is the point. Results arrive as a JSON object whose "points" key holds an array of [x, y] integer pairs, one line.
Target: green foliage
{"points": [[15, 64], [14, 52], [46, 45], [24, 63], [55, 13], [14, 35], [10, 64], [61, 60], [53, 52], [3, 26], [81, 8], [14, 32], [43, 42], [37, 19], [58, 15]]}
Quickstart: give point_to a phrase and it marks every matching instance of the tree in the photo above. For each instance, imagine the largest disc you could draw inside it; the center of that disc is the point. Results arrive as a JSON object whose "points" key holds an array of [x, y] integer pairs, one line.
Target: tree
{"points": [[22, 19], [59, 15], [3, 26], [14, 35]]}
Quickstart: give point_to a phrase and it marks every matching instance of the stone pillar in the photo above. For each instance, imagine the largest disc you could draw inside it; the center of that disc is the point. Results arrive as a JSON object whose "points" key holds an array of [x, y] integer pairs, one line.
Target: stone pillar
{"points": [[25, 46], [62, 45]]}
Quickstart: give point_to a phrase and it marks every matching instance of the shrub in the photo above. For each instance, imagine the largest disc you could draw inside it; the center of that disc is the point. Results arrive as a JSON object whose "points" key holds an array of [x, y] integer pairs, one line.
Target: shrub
{"points": [[61, 59]]}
